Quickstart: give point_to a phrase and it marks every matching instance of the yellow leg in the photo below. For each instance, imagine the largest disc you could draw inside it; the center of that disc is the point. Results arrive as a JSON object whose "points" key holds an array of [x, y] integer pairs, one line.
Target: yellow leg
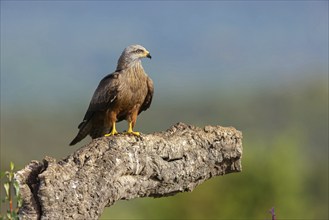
{"points": [[113, 132], [130, 130]]}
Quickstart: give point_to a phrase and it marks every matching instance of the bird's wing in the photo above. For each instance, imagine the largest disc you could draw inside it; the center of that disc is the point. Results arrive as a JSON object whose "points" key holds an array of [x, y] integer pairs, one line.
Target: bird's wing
{"points": [[104, 96], [148, 99]]}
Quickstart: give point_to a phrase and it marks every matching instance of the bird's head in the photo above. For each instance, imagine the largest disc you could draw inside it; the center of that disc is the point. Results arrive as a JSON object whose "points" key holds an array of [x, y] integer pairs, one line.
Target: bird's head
{"points": [[136, 52], [131, 54]]}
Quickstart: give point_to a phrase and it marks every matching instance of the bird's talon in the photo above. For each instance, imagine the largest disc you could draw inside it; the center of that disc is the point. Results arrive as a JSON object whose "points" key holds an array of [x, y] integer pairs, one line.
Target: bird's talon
{"points": [[136, 133], [111, 134]]}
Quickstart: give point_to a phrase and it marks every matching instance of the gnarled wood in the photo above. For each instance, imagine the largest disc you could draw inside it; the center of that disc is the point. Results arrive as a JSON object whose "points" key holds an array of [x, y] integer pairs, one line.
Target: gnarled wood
{"points": [[124, 167]]}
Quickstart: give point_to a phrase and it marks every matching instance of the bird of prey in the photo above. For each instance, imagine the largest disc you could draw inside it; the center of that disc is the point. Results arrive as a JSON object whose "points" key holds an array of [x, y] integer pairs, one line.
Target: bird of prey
{"points": [[121, 95]]}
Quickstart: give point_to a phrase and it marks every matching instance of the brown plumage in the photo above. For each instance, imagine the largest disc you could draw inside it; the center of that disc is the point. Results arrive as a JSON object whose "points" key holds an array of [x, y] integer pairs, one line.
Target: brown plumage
{"points": [[121, 95]]}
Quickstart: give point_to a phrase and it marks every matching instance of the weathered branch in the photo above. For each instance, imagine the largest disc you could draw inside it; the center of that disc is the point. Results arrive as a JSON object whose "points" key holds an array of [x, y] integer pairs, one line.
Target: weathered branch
{"points": [[125, 167]]}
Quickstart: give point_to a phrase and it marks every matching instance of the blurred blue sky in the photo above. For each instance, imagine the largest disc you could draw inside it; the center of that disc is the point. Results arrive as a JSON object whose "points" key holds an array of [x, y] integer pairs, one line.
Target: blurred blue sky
{"points": [[57, 51]]}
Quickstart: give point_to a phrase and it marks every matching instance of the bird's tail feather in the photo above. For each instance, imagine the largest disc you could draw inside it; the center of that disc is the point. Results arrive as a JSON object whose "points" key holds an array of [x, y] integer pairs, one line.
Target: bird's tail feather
{"points": [[85, 128]]}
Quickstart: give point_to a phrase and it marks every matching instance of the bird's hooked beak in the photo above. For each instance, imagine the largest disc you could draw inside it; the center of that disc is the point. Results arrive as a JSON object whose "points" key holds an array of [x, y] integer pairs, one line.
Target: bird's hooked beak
{"points": [[148, 55]]}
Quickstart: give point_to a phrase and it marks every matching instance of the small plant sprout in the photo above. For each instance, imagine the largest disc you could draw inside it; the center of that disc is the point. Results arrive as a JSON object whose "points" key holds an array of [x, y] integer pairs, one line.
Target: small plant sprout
{"points": [[11, 194]]}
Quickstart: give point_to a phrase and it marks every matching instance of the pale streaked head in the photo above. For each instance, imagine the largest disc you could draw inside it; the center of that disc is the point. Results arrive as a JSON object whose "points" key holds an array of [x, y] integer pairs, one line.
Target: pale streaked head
{"points": [[131, 54], [136, 51]]}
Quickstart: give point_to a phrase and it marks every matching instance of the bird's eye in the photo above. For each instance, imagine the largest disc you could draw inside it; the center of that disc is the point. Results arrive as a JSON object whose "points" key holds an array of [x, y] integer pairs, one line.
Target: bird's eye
{"points": [[139, 51]]}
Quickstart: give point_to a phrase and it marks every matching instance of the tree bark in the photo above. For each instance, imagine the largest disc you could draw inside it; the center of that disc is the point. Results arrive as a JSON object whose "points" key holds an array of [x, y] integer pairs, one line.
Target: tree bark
{"points": [[124, 167]]}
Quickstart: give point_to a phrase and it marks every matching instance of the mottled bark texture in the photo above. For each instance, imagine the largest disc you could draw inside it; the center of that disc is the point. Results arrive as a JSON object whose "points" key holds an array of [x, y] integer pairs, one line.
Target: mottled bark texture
{"points": [[124, 167]]}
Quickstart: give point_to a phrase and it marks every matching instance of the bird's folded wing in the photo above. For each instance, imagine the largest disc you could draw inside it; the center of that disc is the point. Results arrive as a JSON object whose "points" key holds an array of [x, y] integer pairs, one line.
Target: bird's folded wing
{"points": [[148, 99]]}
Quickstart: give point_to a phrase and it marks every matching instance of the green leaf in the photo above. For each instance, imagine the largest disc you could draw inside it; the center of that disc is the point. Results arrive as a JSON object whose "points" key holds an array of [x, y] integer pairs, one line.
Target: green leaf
{"points": [[9, 175], [16, 187], [12, 166], [14, 215], [18, 194], [19, 201], [6, 186], [9, 215]]}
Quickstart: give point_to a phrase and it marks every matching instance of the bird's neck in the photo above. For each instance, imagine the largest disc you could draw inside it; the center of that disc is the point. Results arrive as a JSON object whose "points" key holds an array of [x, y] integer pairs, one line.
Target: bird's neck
{"points": [[135, 70], [136, 65]]}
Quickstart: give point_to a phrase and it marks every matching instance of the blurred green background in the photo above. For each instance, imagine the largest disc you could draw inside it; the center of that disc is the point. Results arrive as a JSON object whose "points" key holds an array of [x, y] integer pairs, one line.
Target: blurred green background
{"points": [[259, 66]]}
